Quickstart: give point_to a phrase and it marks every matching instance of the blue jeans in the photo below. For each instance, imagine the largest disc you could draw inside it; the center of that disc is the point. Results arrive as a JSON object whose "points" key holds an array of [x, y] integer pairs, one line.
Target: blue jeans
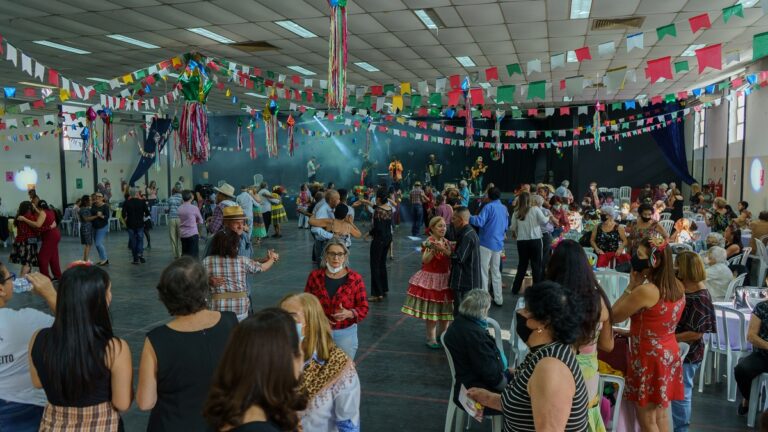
{"points": [[19, 417], [417, 210], [98, 240], [346, 339], [136, 240], [681, 410]]}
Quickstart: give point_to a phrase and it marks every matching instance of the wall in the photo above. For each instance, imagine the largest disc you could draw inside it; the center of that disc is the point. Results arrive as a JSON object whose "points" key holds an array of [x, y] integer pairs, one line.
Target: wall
{"points": [[716, 136], [756, 148]]}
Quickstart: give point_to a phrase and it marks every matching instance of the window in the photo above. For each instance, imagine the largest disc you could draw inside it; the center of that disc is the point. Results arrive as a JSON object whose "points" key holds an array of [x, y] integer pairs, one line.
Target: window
{"points": [[72, 129], [740, 116], [736, 115], [698, 129]]}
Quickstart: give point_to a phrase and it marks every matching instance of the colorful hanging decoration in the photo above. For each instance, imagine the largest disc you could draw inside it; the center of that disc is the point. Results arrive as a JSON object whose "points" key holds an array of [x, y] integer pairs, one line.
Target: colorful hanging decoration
{"points": [[270, 127], [467, 112], [85, 159], [239, 134], [337, 55], [291, 144], [251, 126], [108, 139], [497, 127], [195, 84], [596, 125], [90, 117], [178, 156]]}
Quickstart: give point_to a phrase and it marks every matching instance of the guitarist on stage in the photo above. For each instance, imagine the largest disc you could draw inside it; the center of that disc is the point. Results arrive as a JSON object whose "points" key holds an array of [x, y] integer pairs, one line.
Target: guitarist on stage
{"points": [[396, 172], [478, 170]]}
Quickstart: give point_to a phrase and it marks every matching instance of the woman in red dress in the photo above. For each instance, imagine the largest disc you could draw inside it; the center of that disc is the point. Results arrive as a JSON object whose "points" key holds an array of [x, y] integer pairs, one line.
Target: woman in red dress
{"points": [[24, 250], [655, 301], [429, 295], [48, 257]]}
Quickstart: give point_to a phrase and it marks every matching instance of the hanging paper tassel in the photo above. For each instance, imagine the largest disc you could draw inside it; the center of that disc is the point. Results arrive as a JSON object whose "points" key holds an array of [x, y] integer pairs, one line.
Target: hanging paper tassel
{"points": [[239, 134], [85, 159], [251, 127], [108, 139], [469, 138], [596, 125], [195, 84], [270, 127], [178, 155], [337, 55], [290, 122]]}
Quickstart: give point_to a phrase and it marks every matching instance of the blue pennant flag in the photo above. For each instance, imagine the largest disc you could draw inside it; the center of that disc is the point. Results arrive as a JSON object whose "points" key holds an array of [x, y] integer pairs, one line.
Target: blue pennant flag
{"points": [[696, 92], [629, 104], [9, 91], [752, 78]]}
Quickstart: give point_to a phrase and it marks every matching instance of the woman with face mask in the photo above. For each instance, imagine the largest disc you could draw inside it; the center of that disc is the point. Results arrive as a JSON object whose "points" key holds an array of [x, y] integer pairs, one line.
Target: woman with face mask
{"points": [[655, 301], [547, 391], [643, 227], [609, 240], [342, 293]]}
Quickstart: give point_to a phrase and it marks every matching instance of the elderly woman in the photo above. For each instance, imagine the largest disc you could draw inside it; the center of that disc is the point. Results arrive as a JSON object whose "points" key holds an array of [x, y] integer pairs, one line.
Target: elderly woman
{"points": [[477, 361], [547, 391], [329, 379], [719, 217], [609, 240], [547, 227], [643, 227], [718, 273], [342, 293], [682, 233]]}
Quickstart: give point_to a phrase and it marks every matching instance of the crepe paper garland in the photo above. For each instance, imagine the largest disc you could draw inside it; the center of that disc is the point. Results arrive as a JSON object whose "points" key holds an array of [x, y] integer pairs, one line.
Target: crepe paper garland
{"points": [[85, 135], [596, 128], [108, 141], [195, 84], [178, 156], [468, 113], [337, 55], [291, 142], [239, 134], [251, 127], [270, 130]]}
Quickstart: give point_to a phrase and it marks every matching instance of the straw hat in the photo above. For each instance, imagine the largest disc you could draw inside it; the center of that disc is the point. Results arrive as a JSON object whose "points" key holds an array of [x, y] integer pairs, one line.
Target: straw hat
{"points": [[232, 213], [226, 189]]}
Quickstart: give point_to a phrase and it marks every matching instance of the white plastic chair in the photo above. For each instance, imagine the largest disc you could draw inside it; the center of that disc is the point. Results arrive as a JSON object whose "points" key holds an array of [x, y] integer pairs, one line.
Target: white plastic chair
{"points": [[734, 347], [619, 381], [678, 247], [603, 189], [625, 192], [684, 348], [518, 349], [116, 222], [689, 215], [615, 193], [666, 216], [613, 283], [496, 334], [163, 218], [745, 255], [738, 281], [667, 224], [735, 260], [699, 218], [756, 405], [66, 225]]}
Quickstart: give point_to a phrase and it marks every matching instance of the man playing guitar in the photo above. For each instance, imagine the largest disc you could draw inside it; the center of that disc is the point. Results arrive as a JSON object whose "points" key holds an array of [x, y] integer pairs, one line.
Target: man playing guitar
{"points": [[477, 174], [396, 172]]}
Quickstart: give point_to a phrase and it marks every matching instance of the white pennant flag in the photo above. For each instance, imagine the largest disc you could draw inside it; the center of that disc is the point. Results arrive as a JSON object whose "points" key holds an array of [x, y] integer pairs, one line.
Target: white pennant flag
{"points": [[11, 54], [323, 84], [549, 111], [24, 107], [423, 88], [280, 78], [534, 66], [583, 109], [114, 83], [632, 75], [48, 118], [39, 71], [360, 92], [557, 61], [574, 86], [380, 103], [635, 41], [307, 82], [614, 79], [64, 83], [606, 50], [440, 85]]}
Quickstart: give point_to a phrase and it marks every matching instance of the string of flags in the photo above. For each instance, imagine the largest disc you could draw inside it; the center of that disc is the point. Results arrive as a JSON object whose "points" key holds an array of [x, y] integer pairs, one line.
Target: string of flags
{"points": [[31, 136]]}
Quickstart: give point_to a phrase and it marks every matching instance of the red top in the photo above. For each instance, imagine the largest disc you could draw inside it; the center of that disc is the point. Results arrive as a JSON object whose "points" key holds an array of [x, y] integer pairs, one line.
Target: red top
{"points": [[24, 231], [438, 264], [50, 218], [351, 295]]}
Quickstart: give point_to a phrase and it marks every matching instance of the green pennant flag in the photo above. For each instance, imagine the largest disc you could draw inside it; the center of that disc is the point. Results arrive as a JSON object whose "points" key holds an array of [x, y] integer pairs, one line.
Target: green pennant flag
{"points": [[681, 66], [670, 98], [759, 46], [505, 94], [311, 112], [731, 11], [435, 99], [514, 68], [434, 112], [476, 113], [723, 85], [516, 113], [537, 89], [352, 101], [616, 106], [140, 74], [101, 87], [389, 88], [415, 100], [548, 134], [270, 75], [303, 96], [667, 30], [367, 101]]}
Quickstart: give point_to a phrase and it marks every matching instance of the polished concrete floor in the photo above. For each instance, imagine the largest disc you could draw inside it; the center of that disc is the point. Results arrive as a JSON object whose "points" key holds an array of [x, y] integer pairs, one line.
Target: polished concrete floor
{"points": [[405, 385]]}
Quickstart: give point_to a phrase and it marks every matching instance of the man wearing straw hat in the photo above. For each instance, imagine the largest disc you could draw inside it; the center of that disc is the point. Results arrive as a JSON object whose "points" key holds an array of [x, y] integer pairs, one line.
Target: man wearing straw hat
{"points": [[225, 192], [234, 219]]}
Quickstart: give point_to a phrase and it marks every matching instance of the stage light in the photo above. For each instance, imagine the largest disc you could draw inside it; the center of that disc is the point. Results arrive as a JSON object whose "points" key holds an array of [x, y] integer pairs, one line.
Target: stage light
{"points": [[25, 179]]}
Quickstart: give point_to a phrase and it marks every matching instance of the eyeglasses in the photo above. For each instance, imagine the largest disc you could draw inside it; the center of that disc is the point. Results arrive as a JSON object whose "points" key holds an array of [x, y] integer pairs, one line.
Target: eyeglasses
{"points": [[335, 254], [12, 277]]}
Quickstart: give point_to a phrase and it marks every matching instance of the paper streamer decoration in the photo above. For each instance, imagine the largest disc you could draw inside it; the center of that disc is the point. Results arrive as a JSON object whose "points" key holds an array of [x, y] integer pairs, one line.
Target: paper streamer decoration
{"points": [[239, 134], [108, 139], [596, 126], [337, 55], [270, 128], [251, 127], [195, 83], [291, 142]]}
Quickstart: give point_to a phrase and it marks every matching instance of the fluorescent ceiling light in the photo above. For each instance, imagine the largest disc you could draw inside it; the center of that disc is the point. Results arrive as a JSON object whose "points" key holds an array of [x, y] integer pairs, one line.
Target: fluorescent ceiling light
{"points": [[571, 57], [61, 47], [98, 79], [567, 98], [748, 3], [37, 84], [429, 19], [301, 70], [465, 61], [211, 35], [580, 9], [296, 29], [260, 96], [132, 41], [367, 66], [77, 103], [691, 50]]}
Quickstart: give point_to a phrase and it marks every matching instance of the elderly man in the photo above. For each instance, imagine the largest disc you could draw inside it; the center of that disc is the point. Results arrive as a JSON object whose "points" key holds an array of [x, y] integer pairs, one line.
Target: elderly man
{"points": [[465, 260], [234, 219], [492, 223], [246, 202], [225, 195], [323, 210], [134, 211], [174, 202], [563, 192]]}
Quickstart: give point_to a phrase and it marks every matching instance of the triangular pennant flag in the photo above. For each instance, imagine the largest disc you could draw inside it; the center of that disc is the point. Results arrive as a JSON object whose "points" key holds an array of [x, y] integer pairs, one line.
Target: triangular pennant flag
{"points": [[492, 73], [699, 22], [614, 79], [537, 89], [606, 49], [533, 66], [681, 66], [711, 56], [760, 44], [730, 11], [477, 96], [405, 88], [583, 54], [635, 41], [564, 111], [505, 94], [659, 68], [514, 69], [667, 30], [557, 61], [11, 54]]}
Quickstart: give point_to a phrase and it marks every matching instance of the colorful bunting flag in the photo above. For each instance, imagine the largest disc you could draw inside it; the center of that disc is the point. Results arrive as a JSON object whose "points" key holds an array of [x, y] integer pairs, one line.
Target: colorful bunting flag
{"points": [[514, 69], [681, 66], [711, 56], [635, 41], [537, 89], [659, 68], [477, 96], [492, 73], [667, 30], [583, 54], [760, 44], [405, 88], [699, 22], [731, 11], [505, 94]]}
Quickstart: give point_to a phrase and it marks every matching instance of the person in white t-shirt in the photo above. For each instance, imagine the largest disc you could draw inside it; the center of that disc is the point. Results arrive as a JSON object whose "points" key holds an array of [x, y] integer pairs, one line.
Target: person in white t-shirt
{"points": [[21, 405]]}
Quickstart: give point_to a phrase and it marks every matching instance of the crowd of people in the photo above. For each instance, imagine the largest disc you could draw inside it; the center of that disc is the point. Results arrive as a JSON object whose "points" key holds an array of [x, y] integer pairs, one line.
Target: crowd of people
{"points": [[219, 364]]}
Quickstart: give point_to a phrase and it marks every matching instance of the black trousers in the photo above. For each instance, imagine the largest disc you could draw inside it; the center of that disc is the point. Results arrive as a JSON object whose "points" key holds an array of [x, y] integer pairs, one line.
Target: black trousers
{"points": [[528, 251], [267, 216], [546, 250], [379, 283], [190, 246], [317, 251], [749, 368]]}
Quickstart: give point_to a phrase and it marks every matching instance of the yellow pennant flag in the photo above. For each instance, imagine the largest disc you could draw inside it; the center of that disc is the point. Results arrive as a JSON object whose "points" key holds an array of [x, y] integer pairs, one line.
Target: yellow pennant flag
{"points": [[400, 120], [228, 93], [176, 61], [405, 88], [397, 103], [128, 79], [63, 95]]}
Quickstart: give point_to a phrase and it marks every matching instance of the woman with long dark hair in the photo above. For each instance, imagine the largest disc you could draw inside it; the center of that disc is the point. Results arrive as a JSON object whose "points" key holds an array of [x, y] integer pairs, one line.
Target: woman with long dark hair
{"points": [[45, 223], [570, 267], [526, 229], [24, 250], [256, 386], [655, 300], [84, 369]]}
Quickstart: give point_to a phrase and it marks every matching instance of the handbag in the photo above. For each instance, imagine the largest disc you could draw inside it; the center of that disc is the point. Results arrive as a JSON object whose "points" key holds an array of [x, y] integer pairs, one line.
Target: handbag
{"points": [[148, 224]]}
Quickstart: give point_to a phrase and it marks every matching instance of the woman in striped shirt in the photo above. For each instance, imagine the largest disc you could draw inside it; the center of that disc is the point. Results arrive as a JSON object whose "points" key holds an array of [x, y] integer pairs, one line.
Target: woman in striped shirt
{"points": [[547, 391]]}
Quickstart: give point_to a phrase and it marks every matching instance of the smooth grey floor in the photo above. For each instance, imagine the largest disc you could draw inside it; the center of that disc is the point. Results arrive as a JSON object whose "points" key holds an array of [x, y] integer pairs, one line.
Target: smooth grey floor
{"points": [[405, 385]]}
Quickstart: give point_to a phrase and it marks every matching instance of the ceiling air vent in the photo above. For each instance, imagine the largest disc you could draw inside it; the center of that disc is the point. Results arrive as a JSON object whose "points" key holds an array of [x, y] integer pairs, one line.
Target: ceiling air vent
{"points": [[632, 23], [253, 46]]}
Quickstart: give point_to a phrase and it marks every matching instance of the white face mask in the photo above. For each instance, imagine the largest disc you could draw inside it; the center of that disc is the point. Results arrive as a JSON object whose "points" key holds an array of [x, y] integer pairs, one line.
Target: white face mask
{"points": [[333, 269]]}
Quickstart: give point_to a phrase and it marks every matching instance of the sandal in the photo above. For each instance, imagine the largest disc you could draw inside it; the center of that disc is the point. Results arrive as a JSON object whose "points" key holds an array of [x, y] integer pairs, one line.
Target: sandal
{"points": [[433, 345]]}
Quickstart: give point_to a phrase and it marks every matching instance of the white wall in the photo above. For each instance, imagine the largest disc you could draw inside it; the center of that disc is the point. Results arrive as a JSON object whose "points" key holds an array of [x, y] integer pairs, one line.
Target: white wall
{"points": [[756, 145]]}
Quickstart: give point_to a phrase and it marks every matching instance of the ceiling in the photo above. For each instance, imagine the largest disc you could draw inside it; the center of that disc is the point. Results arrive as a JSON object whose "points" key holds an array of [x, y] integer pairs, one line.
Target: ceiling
{"points": [[384, 33]]}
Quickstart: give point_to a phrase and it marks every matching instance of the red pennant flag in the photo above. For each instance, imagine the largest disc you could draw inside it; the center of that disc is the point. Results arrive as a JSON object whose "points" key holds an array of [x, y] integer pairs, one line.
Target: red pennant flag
{"points": [[683, 95], [309, 96], [477, 96], [377, 90], [29, 92], [492, 73], [422, 112], [533, 112], [486, 113], [38, 104], [453, 97], [564, 111], [583, 54], [656, 100], [296, 94], [562, 84], [295, 79], [53, 77], [711, 56], [737, 82], [455, 81], [699, 22], [659, 68], [249, 84]]}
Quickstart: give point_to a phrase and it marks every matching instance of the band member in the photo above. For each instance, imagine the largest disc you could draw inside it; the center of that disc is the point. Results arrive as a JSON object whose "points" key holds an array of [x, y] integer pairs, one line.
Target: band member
{"points": [[396, 172], [434, 172], [312, 167], [478, 170], [366, 172]]}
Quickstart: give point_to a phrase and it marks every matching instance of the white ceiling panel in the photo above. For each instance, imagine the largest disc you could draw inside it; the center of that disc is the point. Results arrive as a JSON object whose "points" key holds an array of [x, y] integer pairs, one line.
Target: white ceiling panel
{"points": [[211, 13], [398, 20], [525, 11], [567, 28], [481, 14], [490, 33], [418, 38], [532, 30], [362, 23]]}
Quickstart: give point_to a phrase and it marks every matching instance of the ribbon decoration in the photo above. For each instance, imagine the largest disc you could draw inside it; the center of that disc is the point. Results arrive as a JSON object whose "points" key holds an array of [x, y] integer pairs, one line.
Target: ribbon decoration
{"points": [[468, 107], [195, 84], [291, 144], [178, 157], [337, 55], [596, 123], [251, 126], [270, 127], [108, 139], [239, 134]]}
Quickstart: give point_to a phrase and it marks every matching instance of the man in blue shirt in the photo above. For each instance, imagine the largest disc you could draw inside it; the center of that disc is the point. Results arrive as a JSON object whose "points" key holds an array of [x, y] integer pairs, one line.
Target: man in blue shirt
{"points": [[464, 192], [492, 222]]}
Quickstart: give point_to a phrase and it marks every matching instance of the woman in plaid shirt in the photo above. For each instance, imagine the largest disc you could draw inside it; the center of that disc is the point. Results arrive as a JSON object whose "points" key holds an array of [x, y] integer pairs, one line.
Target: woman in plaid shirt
{"points": [[228, 273], [342, 293]]}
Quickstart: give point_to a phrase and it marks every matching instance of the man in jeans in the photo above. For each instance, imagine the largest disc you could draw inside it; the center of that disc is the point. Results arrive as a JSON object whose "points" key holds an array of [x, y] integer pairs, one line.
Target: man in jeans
{"points": [[492, 222], [465, 260], [174, 201], [323, 210], [417, 208], [134, 211]]}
